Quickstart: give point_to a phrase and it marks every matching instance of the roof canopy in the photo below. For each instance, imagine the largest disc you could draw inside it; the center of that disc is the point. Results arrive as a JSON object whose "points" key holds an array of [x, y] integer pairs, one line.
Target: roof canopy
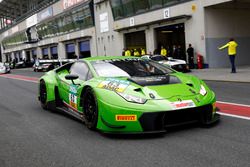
{"points": [[13, 9]]}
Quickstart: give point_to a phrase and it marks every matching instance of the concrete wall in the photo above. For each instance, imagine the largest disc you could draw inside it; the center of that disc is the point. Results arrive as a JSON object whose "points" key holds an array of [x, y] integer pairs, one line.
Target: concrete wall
{"points": [[194, 27], [207, 3], [222, 24], [109, 42]]}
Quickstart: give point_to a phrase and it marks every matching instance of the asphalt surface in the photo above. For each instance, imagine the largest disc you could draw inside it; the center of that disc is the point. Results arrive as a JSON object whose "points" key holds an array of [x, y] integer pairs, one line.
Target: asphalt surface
{"points": [[27, 72], [231, 91], [30, 136]]}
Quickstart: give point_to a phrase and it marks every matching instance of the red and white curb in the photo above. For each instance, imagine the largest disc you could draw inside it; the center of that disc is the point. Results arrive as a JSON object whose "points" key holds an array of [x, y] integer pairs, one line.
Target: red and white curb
{"points": [[20, 77], [234, 110]]}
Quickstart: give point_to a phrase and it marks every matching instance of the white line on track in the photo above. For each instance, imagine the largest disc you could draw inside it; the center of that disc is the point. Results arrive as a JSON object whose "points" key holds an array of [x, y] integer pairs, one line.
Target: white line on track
{"points": [[235, 116], [237, 104]]}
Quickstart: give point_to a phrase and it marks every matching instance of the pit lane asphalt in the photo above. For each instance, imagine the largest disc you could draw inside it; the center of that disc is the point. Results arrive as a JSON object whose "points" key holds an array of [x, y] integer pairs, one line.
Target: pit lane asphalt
{"points": [[30, 136]]}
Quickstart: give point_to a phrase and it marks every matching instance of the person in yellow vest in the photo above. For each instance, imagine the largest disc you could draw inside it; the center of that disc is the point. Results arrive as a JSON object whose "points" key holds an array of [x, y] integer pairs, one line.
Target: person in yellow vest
{"points": [[136, 53], [232, 50], [143, 52], [127, 52], [163, 51]]}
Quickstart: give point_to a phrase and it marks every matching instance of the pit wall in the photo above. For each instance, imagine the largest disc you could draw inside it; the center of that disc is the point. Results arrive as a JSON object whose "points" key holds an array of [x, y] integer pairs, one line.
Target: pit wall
{"points": [[221, 25]]}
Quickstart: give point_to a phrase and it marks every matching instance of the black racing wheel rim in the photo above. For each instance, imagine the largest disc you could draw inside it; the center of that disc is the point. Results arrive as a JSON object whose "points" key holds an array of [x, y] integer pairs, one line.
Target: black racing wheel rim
{"points": [[43, 92], [90, 107]]}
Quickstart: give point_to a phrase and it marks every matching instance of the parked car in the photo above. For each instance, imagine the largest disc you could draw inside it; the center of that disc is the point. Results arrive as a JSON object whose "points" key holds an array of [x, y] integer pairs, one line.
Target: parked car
{"points": [[176, 64], [43, 65], [4, 68], [127, 95], [23, 64], [47, 65]]}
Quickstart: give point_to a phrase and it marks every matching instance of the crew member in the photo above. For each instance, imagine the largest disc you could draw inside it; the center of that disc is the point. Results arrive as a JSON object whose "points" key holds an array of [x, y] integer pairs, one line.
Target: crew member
{"points": [[190, 53], [143, 52], [231, 45], [163, 51], [127, 52], [136, 53]]}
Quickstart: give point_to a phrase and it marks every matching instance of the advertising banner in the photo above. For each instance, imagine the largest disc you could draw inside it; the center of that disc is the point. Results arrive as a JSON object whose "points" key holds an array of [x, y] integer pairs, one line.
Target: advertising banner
{"points": [[70, 3], [45, 14], [31, 21]]}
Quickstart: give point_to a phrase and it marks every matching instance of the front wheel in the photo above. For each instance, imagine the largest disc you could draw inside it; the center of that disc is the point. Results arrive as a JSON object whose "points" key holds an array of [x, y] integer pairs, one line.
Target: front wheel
{"points": [[90, 108], [43, 94]]}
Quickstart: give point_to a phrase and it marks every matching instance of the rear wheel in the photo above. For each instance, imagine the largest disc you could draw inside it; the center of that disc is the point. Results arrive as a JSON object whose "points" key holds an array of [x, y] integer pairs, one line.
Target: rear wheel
{"points": [[90, 107], [43, 94]]}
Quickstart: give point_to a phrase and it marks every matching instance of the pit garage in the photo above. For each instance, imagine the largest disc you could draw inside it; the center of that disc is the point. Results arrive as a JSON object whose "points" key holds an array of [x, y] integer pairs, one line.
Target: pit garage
{"points": [[225, 21], [84, 49], [170, 36], [135, 40]]}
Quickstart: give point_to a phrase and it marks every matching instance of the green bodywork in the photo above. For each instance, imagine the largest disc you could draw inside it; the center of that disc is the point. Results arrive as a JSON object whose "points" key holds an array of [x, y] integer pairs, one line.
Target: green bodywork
{"points": [[111, 104]]}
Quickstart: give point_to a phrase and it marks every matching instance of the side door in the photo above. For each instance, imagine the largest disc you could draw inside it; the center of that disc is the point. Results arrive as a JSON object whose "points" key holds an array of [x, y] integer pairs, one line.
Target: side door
{"points": [[63, 84], [82, 70]]}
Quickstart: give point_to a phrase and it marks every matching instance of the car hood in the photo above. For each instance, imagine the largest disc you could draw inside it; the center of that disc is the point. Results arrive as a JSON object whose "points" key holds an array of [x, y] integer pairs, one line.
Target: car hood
{"points": [[168, 91], [159, 88]]}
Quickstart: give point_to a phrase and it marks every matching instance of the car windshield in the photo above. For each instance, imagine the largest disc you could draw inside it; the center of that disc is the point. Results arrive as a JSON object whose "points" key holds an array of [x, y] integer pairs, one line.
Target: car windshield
{"points": [[129, 68]]}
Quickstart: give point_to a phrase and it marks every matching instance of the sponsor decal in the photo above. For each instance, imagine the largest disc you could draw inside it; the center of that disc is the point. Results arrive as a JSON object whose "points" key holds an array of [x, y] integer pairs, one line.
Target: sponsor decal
{"points": [[126, 118], [182, 104], [114, 85], [73, 96], [73, 101], [73, 89]]}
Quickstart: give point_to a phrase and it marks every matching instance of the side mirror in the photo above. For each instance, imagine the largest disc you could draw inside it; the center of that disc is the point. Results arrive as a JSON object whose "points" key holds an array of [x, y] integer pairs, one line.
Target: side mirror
{"points": [[71, 77]]}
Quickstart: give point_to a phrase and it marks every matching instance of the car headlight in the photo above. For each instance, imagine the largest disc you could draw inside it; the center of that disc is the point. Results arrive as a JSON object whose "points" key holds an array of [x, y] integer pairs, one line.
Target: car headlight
{"points": [[133, 99], [203, 91]]}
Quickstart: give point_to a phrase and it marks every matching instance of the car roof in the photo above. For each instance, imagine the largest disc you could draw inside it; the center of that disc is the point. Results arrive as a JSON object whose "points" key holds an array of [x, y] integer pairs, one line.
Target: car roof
{"points": [[96, 58]]}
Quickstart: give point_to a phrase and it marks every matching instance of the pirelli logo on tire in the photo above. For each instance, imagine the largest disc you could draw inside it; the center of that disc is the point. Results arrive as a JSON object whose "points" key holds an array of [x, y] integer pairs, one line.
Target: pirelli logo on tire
{"points": [[126, 118]]}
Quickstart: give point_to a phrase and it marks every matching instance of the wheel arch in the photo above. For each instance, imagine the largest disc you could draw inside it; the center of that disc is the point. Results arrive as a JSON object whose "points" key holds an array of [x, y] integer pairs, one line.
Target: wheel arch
{"points": [[82, 94], [51, 85]]}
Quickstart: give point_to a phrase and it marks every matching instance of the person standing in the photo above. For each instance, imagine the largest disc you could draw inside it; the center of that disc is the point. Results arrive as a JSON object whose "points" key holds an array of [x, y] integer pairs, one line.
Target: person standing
{"points": [[123, 52], [136, 53], [143, 52], [127, 52], [163, 51], [175, 54], [190, 53], [132, 52], [231, 45]]}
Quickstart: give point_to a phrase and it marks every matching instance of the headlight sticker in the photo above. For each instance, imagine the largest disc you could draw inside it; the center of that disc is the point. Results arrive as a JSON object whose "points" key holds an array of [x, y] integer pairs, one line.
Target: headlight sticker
{"points": [[203, 91], [114, 85], [183, 104]]}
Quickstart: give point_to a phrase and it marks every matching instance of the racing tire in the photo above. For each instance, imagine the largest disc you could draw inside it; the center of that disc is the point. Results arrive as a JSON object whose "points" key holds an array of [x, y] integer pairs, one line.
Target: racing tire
{"points": [[90, 108], [43, 94]]}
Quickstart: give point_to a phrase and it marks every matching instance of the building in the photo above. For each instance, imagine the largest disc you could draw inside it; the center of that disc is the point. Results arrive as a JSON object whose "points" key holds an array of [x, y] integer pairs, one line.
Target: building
{"points": [[83, 28]]}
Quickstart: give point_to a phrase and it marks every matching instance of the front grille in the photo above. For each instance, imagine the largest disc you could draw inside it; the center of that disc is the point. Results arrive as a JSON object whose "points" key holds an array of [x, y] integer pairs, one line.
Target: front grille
{"points": [[160, 120], [202, 114]]}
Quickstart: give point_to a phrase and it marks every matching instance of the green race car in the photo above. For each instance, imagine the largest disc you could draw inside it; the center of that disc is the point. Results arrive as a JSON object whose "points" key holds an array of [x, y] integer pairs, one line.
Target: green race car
{"points": [[127, 95]]}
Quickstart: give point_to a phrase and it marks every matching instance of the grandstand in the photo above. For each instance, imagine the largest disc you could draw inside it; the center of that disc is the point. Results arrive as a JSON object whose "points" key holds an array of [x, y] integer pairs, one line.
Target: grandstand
{"points": [[15, 11]]}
